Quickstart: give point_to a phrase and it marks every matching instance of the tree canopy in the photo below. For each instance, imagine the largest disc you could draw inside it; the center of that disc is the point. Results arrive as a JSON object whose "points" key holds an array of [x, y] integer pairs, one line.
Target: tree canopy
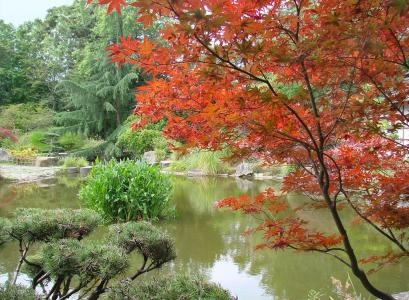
{"points": [[308, 83]]}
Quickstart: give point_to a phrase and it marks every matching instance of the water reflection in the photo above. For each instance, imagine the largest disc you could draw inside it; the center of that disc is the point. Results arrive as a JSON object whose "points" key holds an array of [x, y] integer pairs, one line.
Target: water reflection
{"points": [[209, 241]]}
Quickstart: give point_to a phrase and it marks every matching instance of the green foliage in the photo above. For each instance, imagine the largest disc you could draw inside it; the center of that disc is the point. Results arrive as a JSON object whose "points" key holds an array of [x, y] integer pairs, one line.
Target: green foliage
{"points": [[34, 225], [38, 141], [127, 190], [77, 162], [26, 117], [210, 162], [85, 259], [4, 229], [71, 141], [149, 241], [138, 142], [10, 291], [177, 288]]}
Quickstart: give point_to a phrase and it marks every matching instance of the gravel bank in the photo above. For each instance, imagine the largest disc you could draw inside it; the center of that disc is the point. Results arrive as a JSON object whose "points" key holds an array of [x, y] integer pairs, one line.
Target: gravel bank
{"points": [[27, 173]]}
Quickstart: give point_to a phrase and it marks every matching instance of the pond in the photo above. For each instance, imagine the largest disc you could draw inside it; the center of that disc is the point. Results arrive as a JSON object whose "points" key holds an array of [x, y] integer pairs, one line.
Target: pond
{"points": [[209, 241]]}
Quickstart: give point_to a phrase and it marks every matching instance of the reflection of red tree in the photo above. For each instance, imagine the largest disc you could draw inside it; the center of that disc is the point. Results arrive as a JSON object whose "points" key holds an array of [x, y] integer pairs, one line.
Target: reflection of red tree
{"points": [[5, 133]]}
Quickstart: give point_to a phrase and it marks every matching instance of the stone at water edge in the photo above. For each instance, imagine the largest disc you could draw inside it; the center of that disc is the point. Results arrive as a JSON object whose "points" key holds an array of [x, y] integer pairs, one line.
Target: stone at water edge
{"points": [[165, 163], [4, 156], [72, 170], [149, 157], [84, 171], [46, 161], [194, 173], [244, 169]]}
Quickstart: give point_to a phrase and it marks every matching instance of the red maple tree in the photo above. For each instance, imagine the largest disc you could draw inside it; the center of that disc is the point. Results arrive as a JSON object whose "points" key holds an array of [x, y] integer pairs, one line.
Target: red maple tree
{"points": [[316, 84]]}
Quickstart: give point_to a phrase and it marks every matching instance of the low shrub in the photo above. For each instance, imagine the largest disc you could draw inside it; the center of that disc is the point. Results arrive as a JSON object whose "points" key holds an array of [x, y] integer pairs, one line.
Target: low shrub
{"points": [[9, 291], [177, 288], [127, 190], [70, 141], [24, 153], [76, 162]]}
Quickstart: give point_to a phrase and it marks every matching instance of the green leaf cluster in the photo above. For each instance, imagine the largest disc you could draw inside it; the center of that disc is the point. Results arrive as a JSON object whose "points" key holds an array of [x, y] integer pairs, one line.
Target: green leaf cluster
{"points": [[171, 288], [35, 224], [127, 190]]}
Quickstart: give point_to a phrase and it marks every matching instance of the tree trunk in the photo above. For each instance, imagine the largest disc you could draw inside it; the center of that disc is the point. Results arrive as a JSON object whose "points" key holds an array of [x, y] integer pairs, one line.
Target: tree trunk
{"points": [[356, 270]]}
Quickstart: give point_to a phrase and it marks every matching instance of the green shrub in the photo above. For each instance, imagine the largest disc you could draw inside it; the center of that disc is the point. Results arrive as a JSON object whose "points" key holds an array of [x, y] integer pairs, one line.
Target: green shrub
{"points": [[168, 288], [4, 229], [148, 240], [76, 162], [71, 141], [14, 292], [127, 190], [86, 259], [39, 141], [35, 224], [26, 117], [138, 142], [6, 143]]}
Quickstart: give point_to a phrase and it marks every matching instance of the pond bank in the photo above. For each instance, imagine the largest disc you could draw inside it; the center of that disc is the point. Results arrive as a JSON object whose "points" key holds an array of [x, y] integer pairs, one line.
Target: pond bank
{"points": [[27, 173]]}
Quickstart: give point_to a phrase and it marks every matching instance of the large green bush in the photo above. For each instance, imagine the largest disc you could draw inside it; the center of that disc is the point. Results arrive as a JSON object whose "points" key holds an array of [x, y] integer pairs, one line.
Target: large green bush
{"points": [[26, 117], [137, 142], [127, 190]]}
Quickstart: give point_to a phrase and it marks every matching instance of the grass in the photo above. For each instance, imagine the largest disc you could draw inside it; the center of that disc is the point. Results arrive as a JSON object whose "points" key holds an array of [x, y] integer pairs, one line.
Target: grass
{"points": [[74, 162], [209, 162]]}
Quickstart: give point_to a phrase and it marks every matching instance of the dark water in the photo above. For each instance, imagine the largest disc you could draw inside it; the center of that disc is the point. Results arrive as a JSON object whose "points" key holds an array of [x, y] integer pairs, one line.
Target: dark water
{"points": [[209, 241]]}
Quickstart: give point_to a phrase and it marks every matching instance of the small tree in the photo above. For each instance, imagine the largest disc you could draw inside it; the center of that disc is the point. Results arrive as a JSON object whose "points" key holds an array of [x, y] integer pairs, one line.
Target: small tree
{"points": [[74, 265], [289, 81]]}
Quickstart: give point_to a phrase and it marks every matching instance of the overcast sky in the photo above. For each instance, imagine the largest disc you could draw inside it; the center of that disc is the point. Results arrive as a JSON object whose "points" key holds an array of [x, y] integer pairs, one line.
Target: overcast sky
{"points": [[19, 11]]}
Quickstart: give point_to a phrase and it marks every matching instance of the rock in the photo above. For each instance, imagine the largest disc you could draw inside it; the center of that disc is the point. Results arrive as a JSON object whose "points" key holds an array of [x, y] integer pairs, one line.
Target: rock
{"points": [[149, 157], [165, 163], [244, 169], [72, 170], [195, 173], [4, 156], [84, 171], [46, 161]]}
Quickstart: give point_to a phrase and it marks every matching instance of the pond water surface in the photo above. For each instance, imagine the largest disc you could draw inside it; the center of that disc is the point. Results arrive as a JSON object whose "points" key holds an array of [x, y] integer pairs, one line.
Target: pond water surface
{"points": [[209, 241]]}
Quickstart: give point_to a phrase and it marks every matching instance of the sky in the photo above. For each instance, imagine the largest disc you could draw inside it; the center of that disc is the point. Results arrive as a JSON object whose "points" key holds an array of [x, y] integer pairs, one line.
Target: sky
{"points": [[17, 12]]}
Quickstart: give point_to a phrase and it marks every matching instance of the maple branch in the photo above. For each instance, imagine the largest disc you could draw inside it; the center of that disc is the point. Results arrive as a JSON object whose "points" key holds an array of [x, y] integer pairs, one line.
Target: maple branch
{"points": [[326, 251], [405, 61], [338, 119]]}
